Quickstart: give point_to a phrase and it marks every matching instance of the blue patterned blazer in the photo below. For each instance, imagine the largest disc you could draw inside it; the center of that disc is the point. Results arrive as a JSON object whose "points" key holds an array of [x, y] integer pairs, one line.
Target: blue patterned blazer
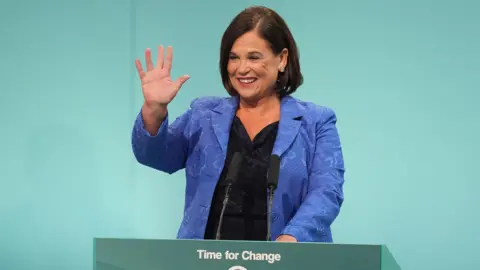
{"points": [[310, 186]]}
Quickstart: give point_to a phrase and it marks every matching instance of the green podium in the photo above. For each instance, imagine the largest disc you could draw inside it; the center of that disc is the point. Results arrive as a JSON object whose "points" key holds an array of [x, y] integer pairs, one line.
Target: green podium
{"points": [[146, 254]]}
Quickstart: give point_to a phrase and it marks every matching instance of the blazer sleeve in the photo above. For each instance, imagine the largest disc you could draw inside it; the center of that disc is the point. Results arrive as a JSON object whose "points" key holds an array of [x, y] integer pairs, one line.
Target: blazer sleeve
{"points": [[167, 149], [324, 195]]}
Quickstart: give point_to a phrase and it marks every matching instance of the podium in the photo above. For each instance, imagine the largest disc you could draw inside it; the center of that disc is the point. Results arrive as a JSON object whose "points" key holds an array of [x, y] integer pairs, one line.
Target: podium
{"points": [[153, 254]]}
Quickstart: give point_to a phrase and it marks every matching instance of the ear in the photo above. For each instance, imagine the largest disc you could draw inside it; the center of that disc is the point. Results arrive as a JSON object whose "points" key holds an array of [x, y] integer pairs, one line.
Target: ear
{"points": [[283, 60]]}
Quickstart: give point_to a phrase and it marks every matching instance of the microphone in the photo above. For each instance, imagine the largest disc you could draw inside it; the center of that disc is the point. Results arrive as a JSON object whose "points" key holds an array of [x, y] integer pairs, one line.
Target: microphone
{"points": [[272, 182], [232, 175]]}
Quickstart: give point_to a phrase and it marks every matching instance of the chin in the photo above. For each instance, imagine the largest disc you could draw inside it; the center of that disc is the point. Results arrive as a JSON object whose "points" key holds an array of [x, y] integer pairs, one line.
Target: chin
{"points": [[248, 93]]}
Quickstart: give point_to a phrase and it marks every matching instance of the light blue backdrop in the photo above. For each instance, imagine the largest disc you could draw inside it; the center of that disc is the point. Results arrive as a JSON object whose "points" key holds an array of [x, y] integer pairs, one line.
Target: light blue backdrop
{"points": [[403, 77]]}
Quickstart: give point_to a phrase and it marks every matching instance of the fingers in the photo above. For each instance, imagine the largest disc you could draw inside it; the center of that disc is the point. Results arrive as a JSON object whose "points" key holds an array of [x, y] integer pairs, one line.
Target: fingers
{"points": [[148, 59], [140, 70], [160, 57], [161, 62], [180, 81], [168, 60]]}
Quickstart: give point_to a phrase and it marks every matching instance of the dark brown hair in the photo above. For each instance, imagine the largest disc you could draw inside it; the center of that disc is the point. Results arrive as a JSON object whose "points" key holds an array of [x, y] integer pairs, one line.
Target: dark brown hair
{"points": [[273, 29]]}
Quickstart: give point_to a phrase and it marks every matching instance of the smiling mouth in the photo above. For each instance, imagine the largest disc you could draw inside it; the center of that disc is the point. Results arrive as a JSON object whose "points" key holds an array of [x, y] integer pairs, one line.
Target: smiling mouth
{"points": [[247, 80]]}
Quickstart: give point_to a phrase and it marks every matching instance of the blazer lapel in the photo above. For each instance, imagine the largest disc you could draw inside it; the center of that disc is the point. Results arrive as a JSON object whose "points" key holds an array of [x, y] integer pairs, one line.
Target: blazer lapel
{"points": [[289, 125], [222, 121]]}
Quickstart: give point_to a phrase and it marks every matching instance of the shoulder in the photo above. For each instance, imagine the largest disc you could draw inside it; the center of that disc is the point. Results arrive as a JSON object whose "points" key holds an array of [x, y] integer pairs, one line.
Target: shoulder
{"points": [[315, 113], [207, 103]]}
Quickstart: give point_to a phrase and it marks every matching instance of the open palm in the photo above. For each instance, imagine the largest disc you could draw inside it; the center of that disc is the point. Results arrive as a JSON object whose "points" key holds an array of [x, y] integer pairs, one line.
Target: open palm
{"points": [[157, 86]]}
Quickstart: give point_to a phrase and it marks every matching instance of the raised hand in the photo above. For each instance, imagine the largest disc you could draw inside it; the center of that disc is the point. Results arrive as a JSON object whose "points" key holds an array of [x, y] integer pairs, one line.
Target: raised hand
{"points": [[157, 86]]}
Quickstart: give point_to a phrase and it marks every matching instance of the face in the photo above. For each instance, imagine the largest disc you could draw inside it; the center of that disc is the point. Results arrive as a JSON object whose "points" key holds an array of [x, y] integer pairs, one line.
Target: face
{"points": [[253, 67]]}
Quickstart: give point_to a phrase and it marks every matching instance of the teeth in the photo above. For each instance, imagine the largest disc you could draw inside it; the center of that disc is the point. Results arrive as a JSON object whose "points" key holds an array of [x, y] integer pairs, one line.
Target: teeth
{"points": [[247, 80]]}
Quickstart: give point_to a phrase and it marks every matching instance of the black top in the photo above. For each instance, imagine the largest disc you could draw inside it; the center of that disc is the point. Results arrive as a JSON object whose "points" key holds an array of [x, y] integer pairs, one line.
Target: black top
{"points": [[245, 216]]}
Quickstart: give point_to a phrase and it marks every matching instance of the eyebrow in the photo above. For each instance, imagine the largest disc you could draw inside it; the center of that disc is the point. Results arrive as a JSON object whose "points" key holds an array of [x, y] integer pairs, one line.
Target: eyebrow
{"points": [[249, 53]]}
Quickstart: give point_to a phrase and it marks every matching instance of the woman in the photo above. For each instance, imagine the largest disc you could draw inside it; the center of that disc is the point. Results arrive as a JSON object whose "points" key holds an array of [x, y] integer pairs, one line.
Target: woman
{"points": [[260, 68]]}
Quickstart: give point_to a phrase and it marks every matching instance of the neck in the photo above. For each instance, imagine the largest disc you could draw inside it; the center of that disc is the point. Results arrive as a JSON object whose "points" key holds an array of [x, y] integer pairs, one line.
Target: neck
{"points": [[260, 106]]}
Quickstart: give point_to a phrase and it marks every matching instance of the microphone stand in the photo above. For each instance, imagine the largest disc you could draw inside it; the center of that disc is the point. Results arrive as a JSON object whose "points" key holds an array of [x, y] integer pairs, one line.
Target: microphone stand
{"points": [[225, 201], [271, 191], [272, 181], [231, 177]]}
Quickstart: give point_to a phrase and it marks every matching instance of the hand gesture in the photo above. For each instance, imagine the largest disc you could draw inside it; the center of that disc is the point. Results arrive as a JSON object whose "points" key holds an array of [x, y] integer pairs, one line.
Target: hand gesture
{"points": [[157, 86]]}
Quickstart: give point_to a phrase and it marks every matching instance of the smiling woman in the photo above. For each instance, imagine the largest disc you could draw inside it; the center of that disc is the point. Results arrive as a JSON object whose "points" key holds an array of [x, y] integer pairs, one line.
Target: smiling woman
{"points": [[253, 67], [260, 69], [259, 53]]}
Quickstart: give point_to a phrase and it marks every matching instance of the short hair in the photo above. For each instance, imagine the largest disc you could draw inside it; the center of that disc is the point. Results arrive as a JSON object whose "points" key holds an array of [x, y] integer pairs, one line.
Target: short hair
{"points": [[273, 29]]}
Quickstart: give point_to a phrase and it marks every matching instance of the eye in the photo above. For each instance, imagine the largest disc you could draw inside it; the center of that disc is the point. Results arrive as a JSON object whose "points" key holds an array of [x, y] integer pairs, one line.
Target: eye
{"points": [[232, 57], [254, 57]]}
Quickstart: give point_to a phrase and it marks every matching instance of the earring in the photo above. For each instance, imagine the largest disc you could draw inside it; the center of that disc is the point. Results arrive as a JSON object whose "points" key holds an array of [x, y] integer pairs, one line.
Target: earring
{"points": [[282, 69]]}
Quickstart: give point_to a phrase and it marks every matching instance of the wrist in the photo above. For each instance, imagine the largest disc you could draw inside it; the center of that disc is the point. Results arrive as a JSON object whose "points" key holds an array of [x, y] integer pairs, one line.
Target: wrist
{"points": [[154, 113]]}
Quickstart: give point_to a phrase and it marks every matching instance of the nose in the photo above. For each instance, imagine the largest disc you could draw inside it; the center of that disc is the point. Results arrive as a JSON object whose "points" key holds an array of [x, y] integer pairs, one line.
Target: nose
{"points": [[243, 68]]}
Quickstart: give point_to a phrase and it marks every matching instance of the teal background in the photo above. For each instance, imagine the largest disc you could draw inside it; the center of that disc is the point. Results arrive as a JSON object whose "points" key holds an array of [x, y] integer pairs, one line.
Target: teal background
{"points": [[401, 75]]}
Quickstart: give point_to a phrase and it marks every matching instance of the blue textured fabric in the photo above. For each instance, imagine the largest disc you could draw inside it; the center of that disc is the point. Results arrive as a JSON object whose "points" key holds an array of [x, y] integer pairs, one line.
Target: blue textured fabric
{"points": [[310, 186]]}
